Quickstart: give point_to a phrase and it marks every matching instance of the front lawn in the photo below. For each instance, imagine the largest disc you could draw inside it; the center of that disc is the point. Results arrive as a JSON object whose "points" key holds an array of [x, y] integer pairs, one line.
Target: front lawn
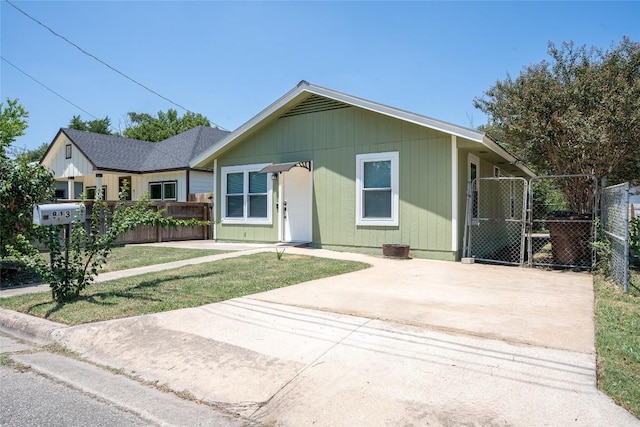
{"points": [[121, 258], [618, 341], [188, 286]]}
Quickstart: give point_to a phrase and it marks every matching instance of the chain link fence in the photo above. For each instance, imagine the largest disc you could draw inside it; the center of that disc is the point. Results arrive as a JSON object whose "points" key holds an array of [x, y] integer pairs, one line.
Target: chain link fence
{"points": [[563, 209], [615, 227], [548, 221], [496, 220]]}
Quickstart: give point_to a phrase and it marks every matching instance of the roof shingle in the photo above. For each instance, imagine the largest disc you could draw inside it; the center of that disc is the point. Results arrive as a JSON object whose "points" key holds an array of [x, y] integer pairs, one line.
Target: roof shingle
{"points": [[109, 152]]}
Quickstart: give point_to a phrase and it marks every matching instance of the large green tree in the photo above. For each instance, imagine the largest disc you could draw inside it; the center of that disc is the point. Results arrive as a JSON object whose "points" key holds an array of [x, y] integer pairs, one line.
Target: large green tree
{"points": [[23, 184], [149, 128], [578, 113], [96, 126]]}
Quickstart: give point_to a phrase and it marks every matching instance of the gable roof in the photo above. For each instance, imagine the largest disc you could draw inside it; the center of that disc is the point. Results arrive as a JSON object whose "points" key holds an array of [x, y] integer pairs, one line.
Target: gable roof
{"points": [[116, 153], [304, 91]]}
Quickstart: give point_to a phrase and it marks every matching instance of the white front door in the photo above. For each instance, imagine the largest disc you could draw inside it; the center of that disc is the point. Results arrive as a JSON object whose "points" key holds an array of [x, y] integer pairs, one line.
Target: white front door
{"points": [[296, 215]]}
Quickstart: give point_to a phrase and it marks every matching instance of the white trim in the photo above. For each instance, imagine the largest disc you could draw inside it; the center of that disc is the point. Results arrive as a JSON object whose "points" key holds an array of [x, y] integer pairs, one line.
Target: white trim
{"points": [[472, 159], [454, 193], [215, 203], [361, 159], [245, 169], [280, 208]]}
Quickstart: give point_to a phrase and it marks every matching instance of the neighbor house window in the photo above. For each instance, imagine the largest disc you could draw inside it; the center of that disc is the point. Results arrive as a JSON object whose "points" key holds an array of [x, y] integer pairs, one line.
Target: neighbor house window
{"points": [[246, 194], [164, 190], [90, 193], [67, 151], [377, 189]]}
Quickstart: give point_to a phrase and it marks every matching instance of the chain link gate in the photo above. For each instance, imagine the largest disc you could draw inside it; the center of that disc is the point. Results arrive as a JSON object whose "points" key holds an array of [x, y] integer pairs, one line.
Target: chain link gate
{"points": [[562, 221], [513, 221], [496, 220], [615, 226]]}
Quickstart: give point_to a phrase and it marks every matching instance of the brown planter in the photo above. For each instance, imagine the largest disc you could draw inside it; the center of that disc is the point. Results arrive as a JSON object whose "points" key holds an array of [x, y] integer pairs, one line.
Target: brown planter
{"points": [[395, 251], [570, 240]]}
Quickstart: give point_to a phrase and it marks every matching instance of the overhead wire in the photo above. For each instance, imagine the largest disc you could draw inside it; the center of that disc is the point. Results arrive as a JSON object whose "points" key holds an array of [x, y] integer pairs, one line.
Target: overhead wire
{"points": [[103, 62], [47, 87]]}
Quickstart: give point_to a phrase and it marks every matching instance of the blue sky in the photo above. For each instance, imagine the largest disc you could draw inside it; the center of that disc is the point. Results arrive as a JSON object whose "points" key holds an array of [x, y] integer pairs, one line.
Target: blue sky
{"points": [[230, 60]]}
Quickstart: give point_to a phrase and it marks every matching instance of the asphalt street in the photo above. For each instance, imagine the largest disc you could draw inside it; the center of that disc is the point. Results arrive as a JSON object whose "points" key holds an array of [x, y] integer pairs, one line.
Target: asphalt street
{"points": [[40, 388], [30, 399]]}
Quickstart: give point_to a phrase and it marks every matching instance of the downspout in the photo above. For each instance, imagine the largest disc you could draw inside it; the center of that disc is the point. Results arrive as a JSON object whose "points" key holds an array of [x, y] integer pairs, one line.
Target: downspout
{"points": [[213, 201], [454, 195]]}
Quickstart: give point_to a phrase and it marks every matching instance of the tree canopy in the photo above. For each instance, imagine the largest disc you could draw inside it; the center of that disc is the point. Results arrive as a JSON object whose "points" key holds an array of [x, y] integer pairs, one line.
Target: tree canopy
{"points": [[23, 183], [149, 128], [13, 123], [578, 113], [96, 126]]}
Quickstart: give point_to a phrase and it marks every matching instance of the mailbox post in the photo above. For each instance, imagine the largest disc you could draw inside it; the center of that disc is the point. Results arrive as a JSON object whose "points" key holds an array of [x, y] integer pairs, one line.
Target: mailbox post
{"points": [[59, 214]]}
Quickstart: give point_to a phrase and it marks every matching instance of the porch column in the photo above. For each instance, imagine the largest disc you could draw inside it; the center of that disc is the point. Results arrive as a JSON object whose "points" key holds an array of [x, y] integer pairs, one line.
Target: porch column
{"points": [[70, 182]]}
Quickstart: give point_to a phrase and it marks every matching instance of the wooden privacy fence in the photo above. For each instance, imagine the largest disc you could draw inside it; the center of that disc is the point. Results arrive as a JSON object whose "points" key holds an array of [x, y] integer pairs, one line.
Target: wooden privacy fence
{"points": [[178, 210]]}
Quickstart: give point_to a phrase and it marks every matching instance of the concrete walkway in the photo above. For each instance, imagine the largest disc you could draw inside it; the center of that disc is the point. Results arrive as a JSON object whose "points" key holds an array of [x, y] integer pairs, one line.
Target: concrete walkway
{"points": [[374, 347]]}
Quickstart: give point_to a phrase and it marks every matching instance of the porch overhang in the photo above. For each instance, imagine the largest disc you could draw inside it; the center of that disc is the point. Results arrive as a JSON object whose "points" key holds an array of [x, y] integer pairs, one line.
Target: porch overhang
{"points": [[286, 167]]}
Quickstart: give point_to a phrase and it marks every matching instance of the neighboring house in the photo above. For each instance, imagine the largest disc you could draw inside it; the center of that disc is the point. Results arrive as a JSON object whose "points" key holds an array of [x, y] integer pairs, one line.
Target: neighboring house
{"points": [[338, 171], [85, 162]]}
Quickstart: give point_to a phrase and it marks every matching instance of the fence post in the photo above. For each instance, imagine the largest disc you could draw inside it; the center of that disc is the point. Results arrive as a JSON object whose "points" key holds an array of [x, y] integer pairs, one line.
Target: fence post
{"points": [[158, 227]]}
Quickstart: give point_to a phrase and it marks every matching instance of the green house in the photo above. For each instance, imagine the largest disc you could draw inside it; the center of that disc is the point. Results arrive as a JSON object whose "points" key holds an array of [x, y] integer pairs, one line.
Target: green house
{"points": [[341, 172]]}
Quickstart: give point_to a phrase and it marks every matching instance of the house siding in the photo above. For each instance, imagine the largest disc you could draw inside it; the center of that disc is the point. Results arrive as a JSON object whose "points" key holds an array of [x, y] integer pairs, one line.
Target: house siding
{"points": [[62, 167], [200, 182], [332, 139]]}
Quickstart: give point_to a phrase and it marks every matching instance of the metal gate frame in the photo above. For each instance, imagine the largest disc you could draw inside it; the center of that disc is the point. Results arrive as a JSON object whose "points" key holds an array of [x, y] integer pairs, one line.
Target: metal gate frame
{"points": [[566, 230], [478, 218], [615, 227]]}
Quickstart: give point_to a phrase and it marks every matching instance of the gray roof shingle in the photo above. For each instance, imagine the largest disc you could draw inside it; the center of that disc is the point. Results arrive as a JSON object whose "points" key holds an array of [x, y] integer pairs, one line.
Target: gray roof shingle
{"points": [[108, 152]]}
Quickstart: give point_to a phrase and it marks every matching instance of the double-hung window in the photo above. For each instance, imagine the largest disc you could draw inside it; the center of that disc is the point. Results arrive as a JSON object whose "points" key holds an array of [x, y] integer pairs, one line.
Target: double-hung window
{"points": [[377, 189], [164, 190], [246, 194]]}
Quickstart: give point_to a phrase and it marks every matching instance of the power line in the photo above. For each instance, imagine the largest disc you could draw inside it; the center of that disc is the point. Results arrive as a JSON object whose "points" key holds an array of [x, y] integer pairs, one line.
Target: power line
{"points": [[46, 87], [102, 62]]}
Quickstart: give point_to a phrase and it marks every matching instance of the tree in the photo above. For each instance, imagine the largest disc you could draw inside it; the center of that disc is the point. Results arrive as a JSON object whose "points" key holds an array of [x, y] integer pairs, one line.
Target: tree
{"points": [[148, 128], [23, 184], [34, 155], [96, 126], [76, 260], [578, 114], [13, 123]]}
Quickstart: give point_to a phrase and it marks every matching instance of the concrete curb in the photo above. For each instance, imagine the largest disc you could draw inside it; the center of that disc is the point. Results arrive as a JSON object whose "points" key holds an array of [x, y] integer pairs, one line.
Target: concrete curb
{"points": [[34, 327]]}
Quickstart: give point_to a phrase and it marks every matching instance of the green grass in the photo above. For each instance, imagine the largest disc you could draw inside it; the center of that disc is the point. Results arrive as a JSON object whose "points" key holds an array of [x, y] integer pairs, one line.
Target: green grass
{"points": [[618, 341], [188, 286], [121, 258], [139, 256]]}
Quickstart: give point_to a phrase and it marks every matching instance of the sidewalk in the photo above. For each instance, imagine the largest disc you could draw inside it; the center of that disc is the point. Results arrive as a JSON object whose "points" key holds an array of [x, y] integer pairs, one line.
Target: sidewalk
{"points": [[373, 348]]}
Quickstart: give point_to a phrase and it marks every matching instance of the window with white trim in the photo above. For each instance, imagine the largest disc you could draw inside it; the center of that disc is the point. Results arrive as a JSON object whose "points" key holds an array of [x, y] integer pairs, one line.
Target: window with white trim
{"points": [[246, 194], [163, 190], [377, 189]]}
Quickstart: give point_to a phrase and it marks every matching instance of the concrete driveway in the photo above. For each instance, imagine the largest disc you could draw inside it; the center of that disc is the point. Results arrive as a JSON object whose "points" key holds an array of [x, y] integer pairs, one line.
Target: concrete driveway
{"points": [[411, 342]]}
